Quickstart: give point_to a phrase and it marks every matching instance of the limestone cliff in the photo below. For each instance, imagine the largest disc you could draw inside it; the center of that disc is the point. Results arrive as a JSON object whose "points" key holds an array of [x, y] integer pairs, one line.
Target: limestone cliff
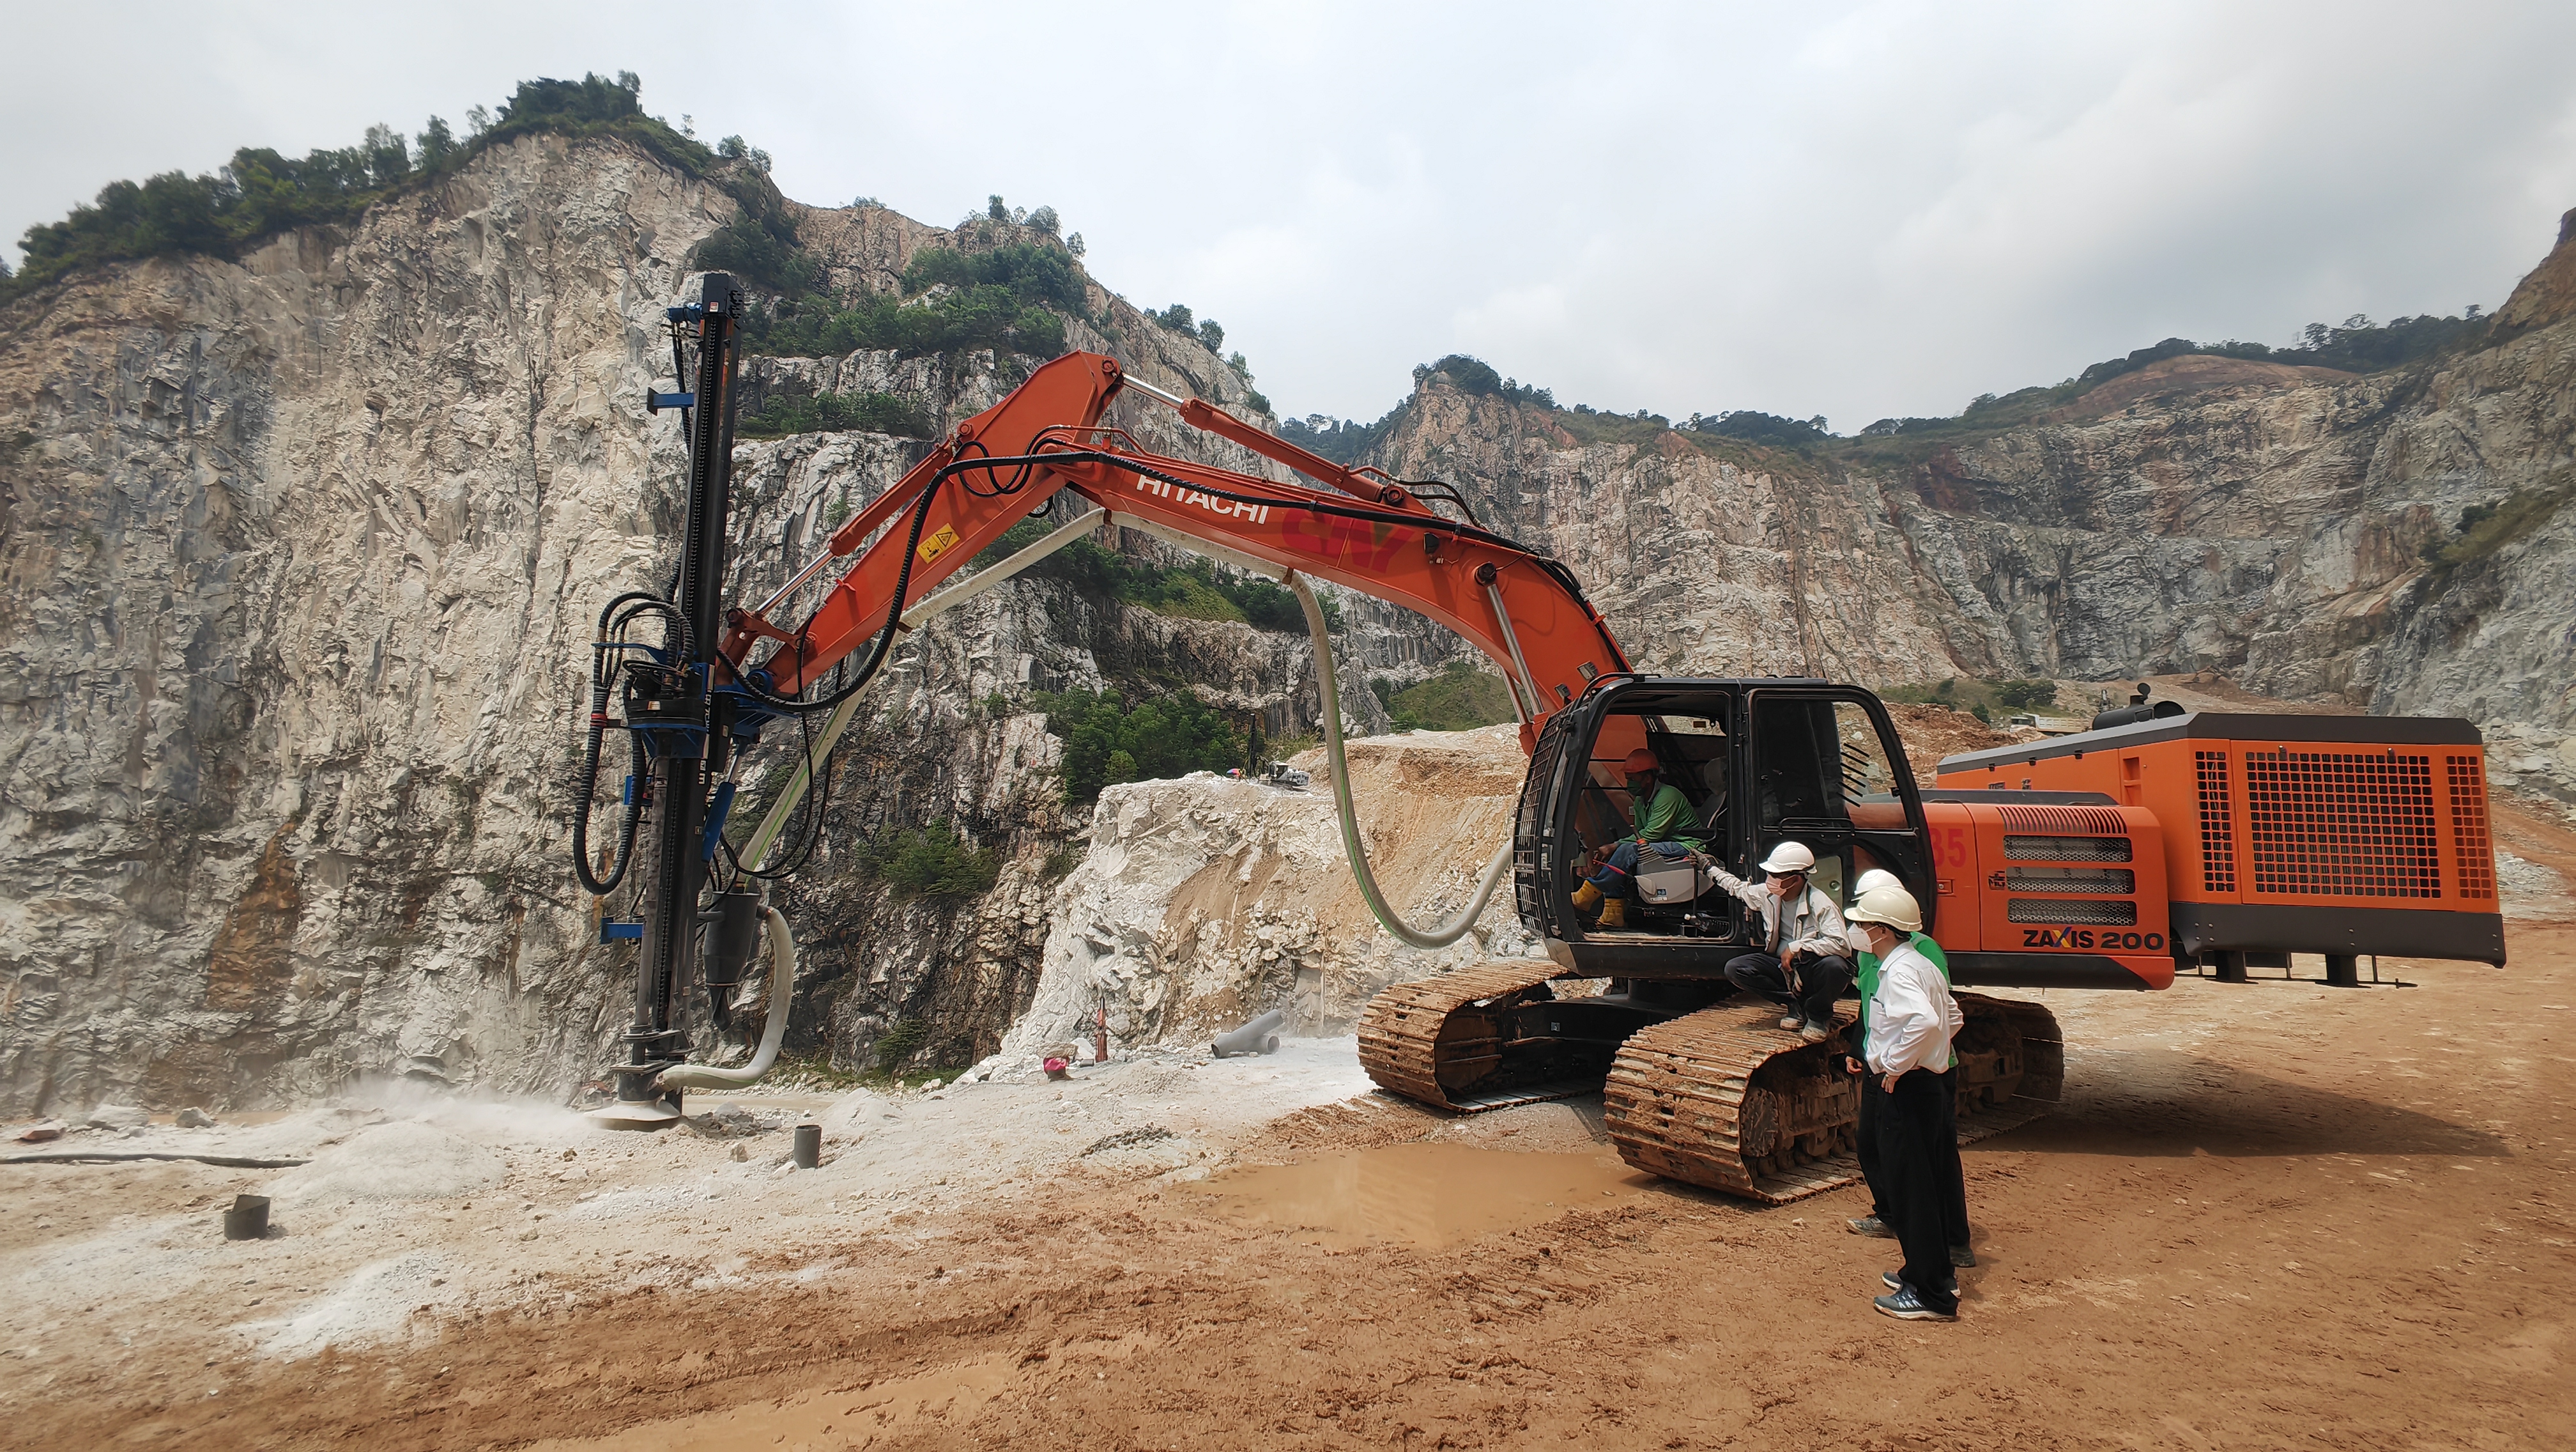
{"points": [[2298, 528], [298, 563], [299, 557]]}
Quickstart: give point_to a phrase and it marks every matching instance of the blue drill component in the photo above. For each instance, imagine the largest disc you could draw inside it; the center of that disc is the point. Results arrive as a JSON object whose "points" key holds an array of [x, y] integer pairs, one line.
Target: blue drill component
{"points": [[656, 402], [611, 929], [715, 822]]}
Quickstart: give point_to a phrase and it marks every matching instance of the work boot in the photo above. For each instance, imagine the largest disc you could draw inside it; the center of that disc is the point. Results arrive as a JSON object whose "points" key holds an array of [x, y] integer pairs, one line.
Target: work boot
{"points": [[1814, 1032], [1871, 1225], [1895, 1282], [1793, 1020], [1614, 913], [1961, 1255], [1586, 898]]}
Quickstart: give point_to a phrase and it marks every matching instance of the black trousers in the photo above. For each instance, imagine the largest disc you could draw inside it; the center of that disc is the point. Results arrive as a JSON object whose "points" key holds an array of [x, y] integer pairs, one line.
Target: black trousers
{"points": [[1954, 1180], [1910, 1154], [1821, 980]]}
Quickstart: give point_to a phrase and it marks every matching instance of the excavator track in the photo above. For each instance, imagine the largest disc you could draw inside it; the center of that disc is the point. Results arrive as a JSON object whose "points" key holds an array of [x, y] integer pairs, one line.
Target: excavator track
{"points": [[1722, 1098], [1726, 1100], [1456, 1042]]}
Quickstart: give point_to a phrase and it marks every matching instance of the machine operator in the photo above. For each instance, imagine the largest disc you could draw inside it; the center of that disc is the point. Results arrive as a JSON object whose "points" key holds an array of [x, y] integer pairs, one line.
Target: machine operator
{"points": [[1664, 824]]}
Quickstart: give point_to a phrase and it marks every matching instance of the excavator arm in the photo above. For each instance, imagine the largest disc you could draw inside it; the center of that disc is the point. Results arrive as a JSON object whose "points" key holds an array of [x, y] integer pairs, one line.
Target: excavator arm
{"points": [[1362, 532], [695, 702]]}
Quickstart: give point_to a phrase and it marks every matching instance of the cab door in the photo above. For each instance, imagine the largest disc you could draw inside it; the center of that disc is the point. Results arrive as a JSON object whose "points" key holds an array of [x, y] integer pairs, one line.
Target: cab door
{"points": [[1823, 766]]}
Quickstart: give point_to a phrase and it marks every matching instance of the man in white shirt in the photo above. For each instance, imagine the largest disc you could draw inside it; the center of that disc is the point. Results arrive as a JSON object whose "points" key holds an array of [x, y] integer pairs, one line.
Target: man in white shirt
{"points": [[1912, 1019], [1802, 965]]}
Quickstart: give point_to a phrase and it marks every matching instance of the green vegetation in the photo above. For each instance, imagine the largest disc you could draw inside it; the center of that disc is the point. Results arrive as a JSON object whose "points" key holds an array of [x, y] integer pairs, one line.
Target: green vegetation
{"points": [[1106, 741], [1179, 319], [1195, 591], [875, 413], [1031, 272], [1769, 429], [260, 192], [1006, 298], [1980, 698], [902, 1039], [1475, 376], [1340, 440], [1460, 698], [2486, 529], [2359, 346], [930, 863], [974, 317]]}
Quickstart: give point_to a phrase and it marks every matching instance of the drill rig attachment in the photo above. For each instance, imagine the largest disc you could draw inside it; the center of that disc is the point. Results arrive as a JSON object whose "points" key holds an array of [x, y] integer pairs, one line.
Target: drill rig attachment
{"points": [[687, 722]]}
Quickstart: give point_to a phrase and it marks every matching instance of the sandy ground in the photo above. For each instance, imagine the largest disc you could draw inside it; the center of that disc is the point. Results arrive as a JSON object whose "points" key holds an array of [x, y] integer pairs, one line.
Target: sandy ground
{"points": [[2267, 1215]]}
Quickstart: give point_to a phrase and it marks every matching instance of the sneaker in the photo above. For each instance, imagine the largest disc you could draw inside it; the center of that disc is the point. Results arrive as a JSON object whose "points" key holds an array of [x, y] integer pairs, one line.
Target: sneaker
{"points": [[1814, 1033], [1871, 1225], [1793, 1021], [1895, 1282], [1905, 1306], [1960, 1255]]}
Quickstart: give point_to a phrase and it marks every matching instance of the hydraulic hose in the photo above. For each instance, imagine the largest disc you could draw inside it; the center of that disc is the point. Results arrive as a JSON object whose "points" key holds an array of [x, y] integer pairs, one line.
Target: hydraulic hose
{"points": [[1448, 932], [782, 976]]}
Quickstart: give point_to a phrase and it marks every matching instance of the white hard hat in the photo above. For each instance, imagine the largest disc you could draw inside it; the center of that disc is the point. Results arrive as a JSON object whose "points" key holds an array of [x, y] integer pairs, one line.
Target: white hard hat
{"points": [[1889, 906], [1875, 877], [1789, 857]]}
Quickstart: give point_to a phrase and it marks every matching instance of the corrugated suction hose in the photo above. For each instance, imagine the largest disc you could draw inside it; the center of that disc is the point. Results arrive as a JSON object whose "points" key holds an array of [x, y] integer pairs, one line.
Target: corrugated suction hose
{"points": [[1448, 932], [782, 980]]}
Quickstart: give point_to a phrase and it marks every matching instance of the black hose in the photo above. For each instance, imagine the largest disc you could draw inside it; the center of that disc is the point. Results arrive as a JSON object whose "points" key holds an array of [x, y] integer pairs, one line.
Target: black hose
{"points": [[73, 1157]]}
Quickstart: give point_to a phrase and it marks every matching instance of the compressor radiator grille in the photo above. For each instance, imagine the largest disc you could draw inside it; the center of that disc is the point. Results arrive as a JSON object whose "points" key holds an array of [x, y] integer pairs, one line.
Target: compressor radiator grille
{"points": [[2217, 823], [2469, 840], [2331, 824]]}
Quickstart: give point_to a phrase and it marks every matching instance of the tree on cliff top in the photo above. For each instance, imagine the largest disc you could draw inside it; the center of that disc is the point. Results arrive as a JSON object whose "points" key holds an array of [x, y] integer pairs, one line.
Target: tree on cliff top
{"points": [[262, 192]]}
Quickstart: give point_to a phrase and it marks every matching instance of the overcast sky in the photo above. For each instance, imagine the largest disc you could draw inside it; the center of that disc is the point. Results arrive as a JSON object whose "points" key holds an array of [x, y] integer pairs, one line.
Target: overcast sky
{"points": [[1848, 210]]}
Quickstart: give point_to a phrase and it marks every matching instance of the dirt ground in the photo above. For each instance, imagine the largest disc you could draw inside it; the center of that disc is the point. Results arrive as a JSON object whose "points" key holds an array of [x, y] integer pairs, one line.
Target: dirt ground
{"points": [[2273, 1214]]}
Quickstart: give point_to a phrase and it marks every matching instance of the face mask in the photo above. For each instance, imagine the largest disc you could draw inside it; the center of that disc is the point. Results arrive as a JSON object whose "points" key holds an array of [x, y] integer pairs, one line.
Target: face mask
{"points": [[1858, 939]]}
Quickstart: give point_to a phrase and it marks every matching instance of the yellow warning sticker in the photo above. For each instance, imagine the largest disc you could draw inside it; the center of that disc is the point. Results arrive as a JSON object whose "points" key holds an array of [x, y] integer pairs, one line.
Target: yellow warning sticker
{"points": [[937, 545]]}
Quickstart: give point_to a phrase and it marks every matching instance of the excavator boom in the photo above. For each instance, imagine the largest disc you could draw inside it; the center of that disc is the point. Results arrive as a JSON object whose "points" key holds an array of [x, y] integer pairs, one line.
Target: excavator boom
{"points": [[1002, 465]]}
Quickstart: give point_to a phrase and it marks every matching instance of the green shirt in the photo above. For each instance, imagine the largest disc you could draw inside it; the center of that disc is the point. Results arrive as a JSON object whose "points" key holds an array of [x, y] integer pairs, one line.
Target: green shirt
{"points": [[1668, 817], [1868, 965]]}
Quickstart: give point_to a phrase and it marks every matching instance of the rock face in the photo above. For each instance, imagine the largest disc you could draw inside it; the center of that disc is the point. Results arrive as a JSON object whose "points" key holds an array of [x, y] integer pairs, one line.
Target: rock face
{"points": [[299, 558], [301, 561], [1205, 902], [2297, 528]]}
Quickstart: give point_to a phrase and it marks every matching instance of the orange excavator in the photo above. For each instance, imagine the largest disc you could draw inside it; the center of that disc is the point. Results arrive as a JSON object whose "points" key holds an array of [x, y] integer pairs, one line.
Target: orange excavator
{"points": [[2056, 886]]}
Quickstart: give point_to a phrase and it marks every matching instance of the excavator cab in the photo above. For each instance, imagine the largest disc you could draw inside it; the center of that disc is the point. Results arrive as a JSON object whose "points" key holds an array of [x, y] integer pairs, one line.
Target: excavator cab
{"points": [[1698, 1083], [1761, 762]]}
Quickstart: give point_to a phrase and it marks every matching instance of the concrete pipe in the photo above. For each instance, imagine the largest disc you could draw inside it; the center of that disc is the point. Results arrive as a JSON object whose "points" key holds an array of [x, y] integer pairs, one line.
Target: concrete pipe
{"points": [[1261, 1036]]}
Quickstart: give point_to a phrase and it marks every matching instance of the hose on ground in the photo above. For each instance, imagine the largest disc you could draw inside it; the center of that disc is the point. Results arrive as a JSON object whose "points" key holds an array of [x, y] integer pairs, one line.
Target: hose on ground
{"points": [[782, 978], [1448, 932]]}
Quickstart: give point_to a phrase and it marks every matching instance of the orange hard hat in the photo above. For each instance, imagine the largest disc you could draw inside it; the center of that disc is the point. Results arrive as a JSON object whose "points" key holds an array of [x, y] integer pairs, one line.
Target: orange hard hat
{"points": [[1639, 760]]}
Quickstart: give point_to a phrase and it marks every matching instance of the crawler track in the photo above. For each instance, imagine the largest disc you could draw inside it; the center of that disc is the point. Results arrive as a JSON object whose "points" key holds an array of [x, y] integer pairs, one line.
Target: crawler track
{"points": [[1725, 1100], [1445, 1041], [1722, 1098]]}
